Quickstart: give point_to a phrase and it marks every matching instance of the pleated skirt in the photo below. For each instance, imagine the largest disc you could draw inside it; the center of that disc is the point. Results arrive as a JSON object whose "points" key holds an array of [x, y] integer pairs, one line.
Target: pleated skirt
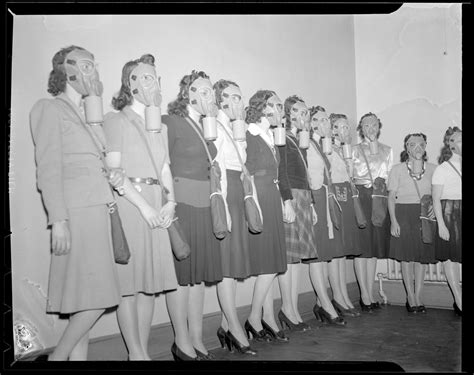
{"points": [[85, 278], [452, 249], [409, 247]]}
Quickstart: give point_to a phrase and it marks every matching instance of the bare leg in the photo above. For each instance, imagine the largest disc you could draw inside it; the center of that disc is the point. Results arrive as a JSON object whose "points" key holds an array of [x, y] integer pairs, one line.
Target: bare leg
{"points": [[260, 291], [177, 303], [294, 290], [195, 312], [420, 270], [371, 269], [268, 310], [451, 270], [79, 352], [408, 277], [360, 267], [128, 322], [335, 280], [342, 276], [145, 309], [285, 281], [226, 294], [79, 324], [316, 275]]}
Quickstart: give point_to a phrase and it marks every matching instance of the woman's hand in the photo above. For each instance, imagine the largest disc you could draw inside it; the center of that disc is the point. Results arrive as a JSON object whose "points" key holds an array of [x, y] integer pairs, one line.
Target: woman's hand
{"points": [[314, 215], [167, 214], [289, 215], [151, 216], [60, 238], [395, 229], [116, 177], [443, 231]]}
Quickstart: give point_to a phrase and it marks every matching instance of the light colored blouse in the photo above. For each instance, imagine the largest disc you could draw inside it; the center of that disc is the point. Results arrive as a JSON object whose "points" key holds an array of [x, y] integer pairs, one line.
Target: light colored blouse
{"points": [[445, 175], [380, 164], [400, 182], [226, 153]]}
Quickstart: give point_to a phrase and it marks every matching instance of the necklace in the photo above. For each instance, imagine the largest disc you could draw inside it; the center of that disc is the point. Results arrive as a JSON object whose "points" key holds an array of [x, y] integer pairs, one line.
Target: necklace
{"points": [[416, 176]]}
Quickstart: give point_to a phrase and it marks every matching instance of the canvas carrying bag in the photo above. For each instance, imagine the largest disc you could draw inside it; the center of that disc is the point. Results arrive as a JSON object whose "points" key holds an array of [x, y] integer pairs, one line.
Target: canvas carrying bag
{"points": [[427, 216]]}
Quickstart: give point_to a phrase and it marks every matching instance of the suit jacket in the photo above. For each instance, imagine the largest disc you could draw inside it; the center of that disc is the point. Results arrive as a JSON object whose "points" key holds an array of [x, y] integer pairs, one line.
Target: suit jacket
{"points": [[69, 171]]}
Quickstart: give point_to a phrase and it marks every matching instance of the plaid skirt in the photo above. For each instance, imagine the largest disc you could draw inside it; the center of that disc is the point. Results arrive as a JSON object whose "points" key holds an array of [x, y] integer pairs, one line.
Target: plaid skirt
{"points": [[300, 235], [452, 249]]}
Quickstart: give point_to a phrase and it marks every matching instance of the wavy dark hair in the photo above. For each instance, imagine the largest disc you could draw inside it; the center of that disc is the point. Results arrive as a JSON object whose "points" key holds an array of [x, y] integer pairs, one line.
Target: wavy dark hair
{"points": [[404, 154], [289, 102], [124, 96], [220, 86], [446, 152], [333, 117], [178, 106], [359, 127], [57, 78], [257, 104]]}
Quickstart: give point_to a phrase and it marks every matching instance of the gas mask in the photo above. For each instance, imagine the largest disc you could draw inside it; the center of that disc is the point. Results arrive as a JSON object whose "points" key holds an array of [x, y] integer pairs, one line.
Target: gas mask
{"points": [[322, 126], [299, 117], [342, 132], [416, 147], [273, 112], [82, 75], [203, 100], [455, 143], [233, 106], [370, 128], [145, 87]]}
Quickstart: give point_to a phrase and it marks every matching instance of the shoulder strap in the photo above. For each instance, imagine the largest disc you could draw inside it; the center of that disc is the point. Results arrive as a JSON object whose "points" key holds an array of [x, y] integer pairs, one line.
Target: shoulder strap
{"points": [[366, 162], [195, 128], [244, 168], [327, 165], [452, 165]]}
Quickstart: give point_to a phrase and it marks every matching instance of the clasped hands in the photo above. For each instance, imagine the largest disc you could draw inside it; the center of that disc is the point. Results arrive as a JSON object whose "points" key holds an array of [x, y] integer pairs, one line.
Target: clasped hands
{"points": [[159, 219]]}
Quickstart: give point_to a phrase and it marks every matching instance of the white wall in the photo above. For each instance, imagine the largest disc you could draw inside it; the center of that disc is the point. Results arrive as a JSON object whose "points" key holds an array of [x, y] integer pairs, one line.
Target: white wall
{"points": [[408, 72], [312, 56]]}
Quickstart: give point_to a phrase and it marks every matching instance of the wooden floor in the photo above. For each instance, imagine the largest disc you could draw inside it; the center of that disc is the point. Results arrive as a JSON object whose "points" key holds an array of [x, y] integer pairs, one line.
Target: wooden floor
{"points": [[428, 342]]}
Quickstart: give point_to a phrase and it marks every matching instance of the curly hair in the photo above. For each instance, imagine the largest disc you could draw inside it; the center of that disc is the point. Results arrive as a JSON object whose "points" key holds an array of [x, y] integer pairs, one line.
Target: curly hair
{"points": [[333, 117], [359, 127], [57, 78], [178, 106], [404, 154], [124, 96], [315, 109], [257, 104], [446, 152], [289, 102], [219, 87]]}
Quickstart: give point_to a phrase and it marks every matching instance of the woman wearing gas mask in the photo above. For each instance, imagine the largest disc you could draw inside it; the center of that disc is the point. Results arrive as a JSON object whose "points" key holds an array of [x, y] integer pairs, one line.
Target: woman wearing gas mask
{"points": [[231, 146], [407, 183], [447, 205], [130, 133], [190, 167], [372, 162], [267, 248], [73, 183], [299, 214]]}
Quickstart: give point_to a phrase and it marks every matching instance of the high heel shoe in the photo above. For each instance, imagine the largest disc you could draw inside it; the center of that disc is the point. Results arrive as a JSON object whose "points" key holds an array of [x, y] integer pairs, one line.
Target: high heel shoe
{"points": [[204, 357], [323, 316], [457, 310], [409, 308], [291, 326], [178, 355], [344, 312], [421, 309], [366, 308], [375, 305], [232, 342], [221, 336], [279, 336], [257, 336]]}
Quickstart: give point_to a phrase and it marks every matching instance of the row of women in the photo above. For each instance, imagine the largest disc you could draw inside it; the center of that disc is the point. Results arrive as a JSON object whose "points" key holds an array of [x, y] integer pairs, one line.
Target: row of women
{"points": [[305, 188]]}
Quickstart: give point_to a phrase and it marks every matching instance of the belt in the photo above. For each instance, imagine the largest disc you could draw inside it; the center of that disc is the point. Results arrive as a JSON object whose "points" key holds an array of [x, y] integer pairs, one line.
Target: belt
{"points": [[146, 180]]}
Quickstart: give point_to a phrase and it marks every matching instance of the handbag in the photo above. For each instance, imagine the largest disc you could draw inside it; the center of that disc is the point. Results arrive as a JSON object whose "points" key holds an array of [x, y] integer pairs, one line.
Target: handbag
{"points": [[218, 209], [427, 216], [379, 197], [252, 209], [119, 241], [361, 220], [179, 245]]}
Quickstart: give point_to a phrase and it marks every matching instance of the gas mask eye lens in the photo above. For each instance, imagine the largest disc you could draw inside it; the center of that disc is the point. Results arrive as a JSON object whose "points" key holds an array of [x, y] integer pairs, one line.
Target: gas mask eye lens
{"points": [[205, 92], [86, 66], [147, 80], [279, 107], [236, 98]]}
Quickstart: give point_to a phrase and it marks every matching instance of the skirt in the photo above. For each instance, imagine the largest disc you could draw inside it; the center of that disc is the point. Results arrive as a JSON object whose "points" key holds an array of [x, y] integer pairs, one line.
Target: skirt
{"points": [[150, 269], [204, 264], [235, 246], [300, 235], [409, 247], [452, 249], [85, 278], [267, 249], [374, 242]]}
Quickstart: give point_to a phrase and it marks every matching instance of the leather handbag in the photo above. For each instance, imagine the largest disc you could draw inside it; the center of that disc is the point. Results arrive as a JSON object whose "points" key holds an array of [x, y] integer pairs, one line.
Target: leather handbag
{"points": [[179, 244], [119, 241], [218, 209], [253, 211], [427, 216]]}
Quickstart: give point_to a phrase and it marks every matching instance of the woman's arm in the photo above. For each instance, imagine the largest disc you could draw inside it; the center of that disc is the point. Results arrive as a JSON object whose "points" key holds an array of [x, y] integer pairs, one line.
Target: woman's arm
{"points": [[436, 192], [394, 227], [168, 210]]}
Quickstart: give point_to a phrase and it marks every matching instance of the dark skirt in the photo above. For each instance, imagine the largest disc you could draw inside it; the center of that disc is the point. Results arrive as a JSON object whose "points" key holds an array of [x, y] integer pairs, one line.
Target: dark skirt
{"points": [[452, 249], [373, 241], [409, 247], [300, 235], [267, 249], [235, 245]]}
